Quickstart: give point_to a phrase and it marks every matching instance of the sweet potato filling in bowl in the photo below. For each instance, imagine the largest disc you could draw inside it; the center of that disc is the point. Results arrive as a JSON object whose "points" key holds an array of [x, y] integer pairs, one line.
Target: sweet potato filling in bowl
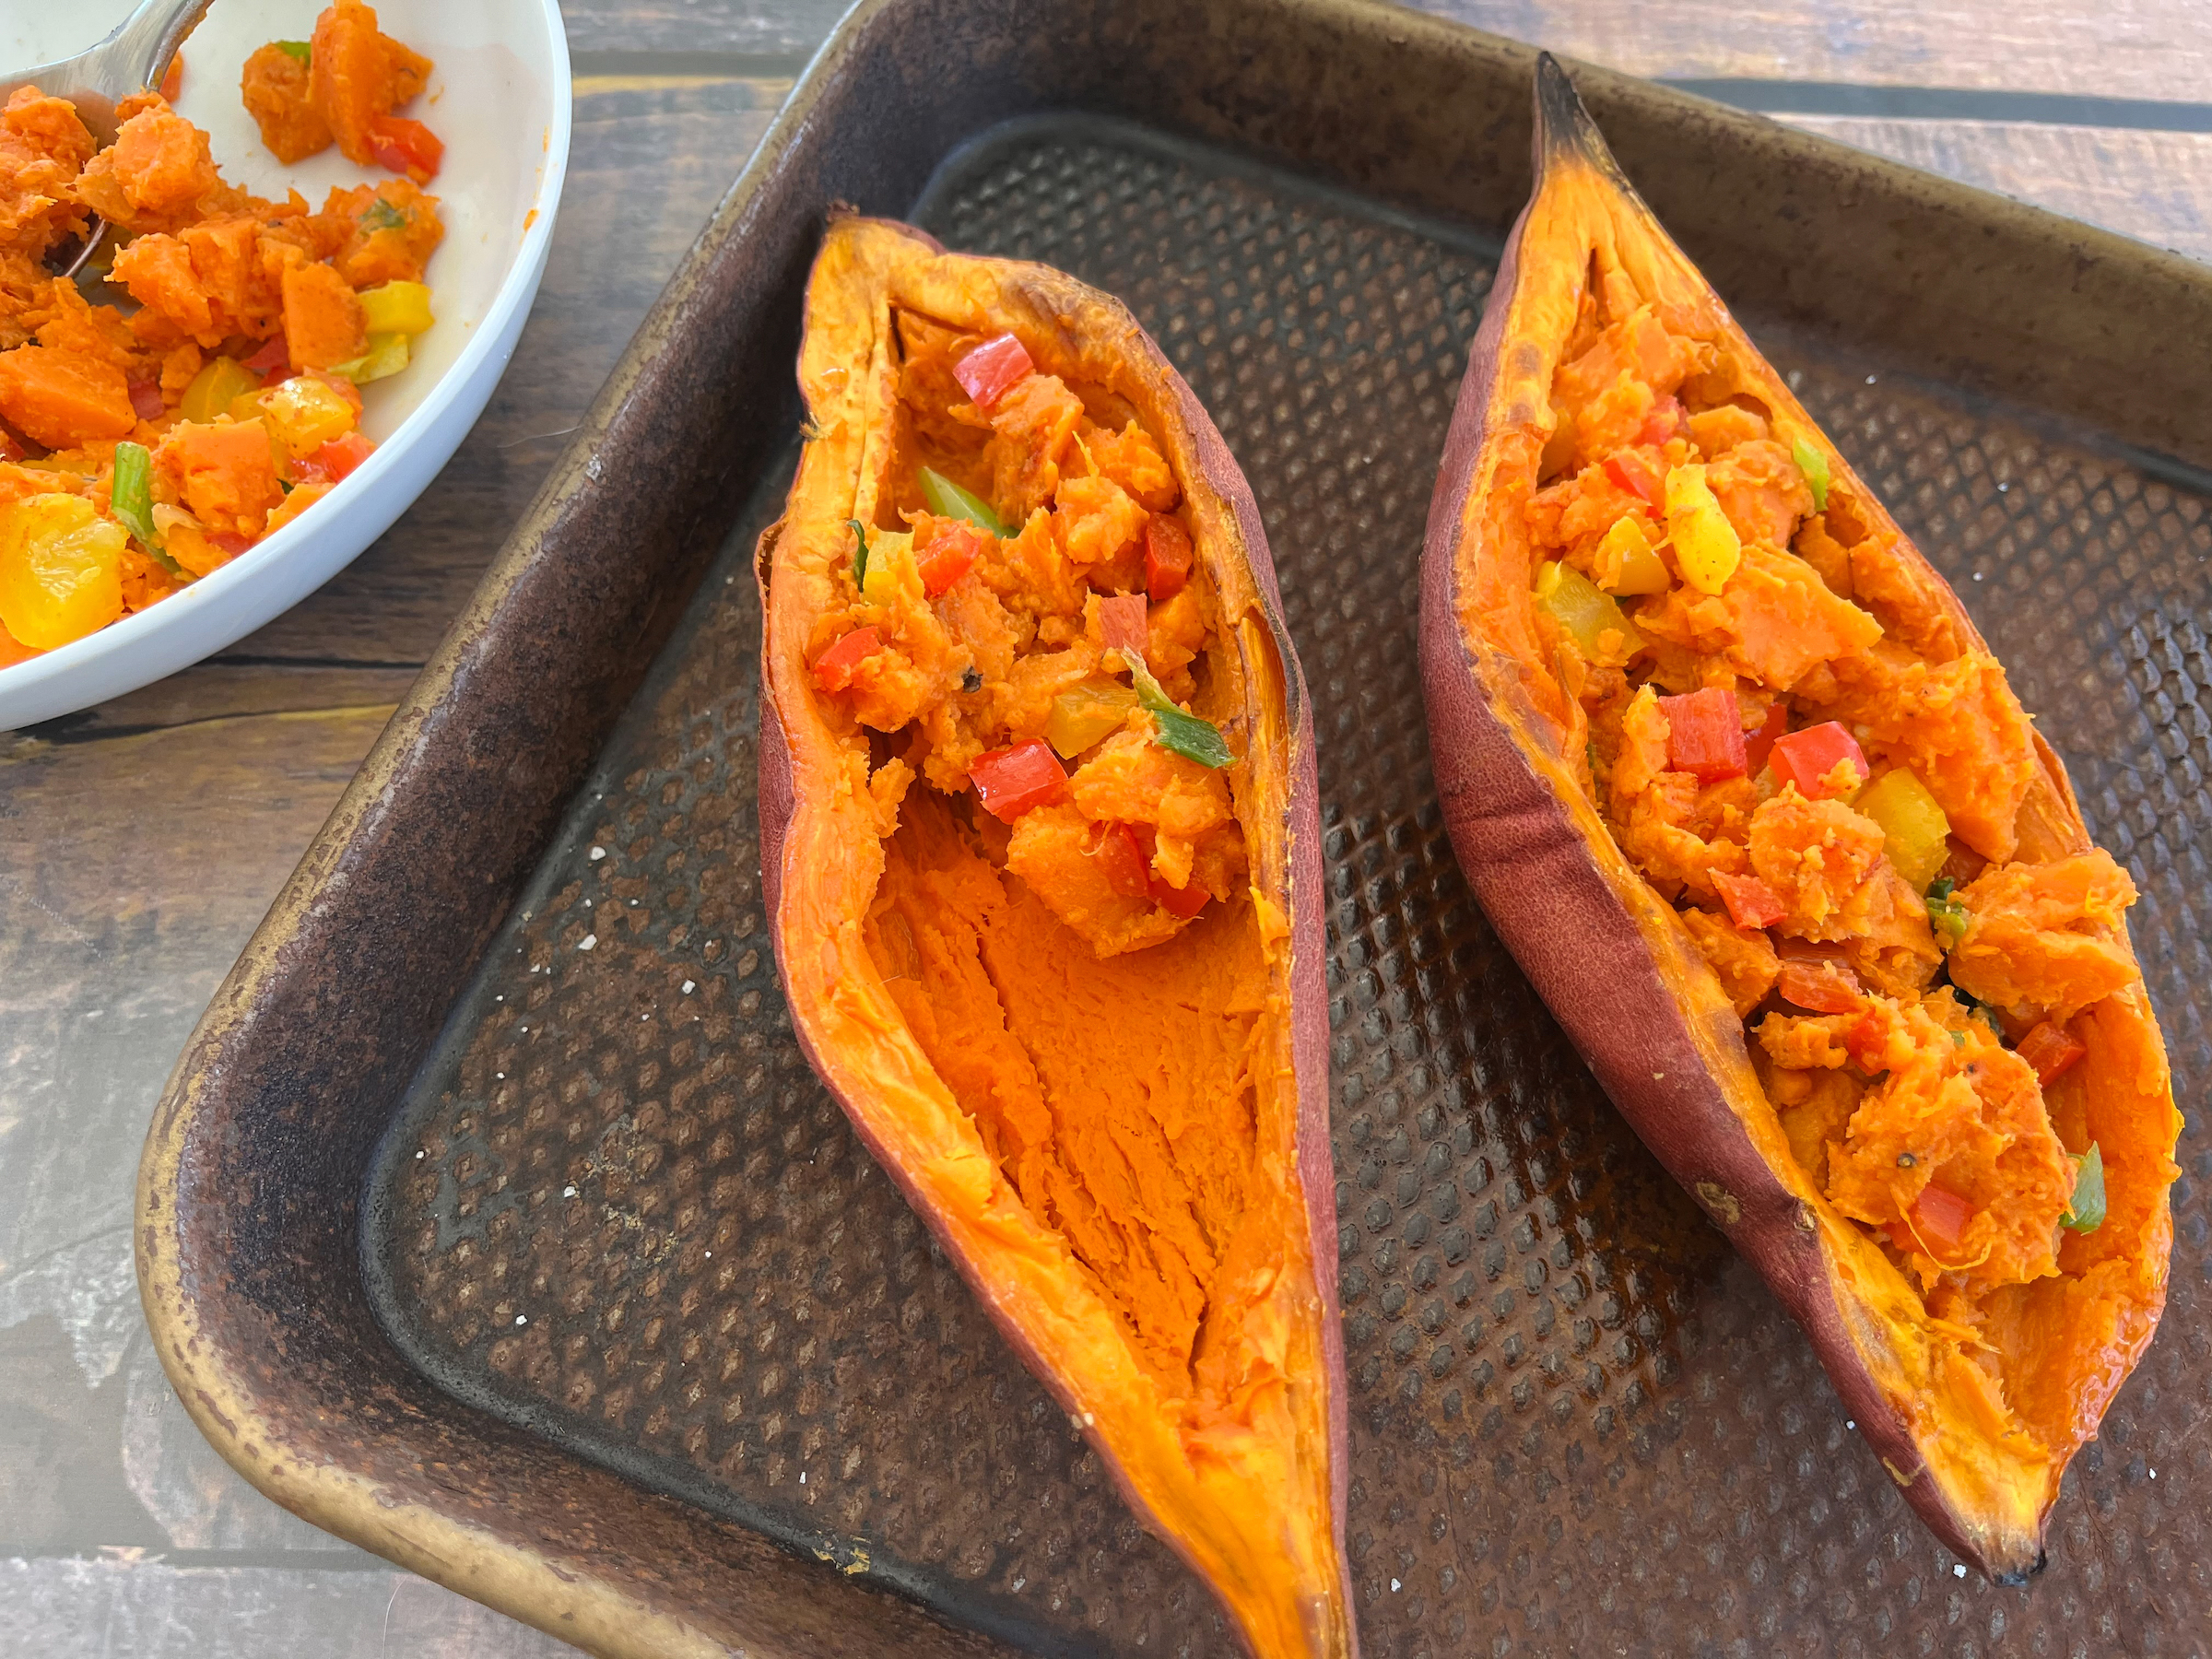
{"points": [[1028, 779], [147, 443]]}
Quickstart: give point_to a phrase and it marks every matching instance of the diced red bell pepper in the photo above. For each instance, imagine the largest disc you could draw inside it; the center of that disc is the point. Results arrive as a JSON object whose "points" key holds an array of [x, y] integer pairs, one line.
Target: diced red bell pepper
{"points": [[1807, 757], [272, 359], [1167, 557], [1123, 625], [1635, 474], [1121, 859], [146, 398], [1819, 984], [834, 669], [1759, 746], [1867, 1043], [1012, 781], [229, 541], [990, 370], [1940, 1218], [1704, 734], [329, 462], [2052, 1050], [1751, 902], [405, 147], [1182, 903], [1665, 421], [947, 557]]}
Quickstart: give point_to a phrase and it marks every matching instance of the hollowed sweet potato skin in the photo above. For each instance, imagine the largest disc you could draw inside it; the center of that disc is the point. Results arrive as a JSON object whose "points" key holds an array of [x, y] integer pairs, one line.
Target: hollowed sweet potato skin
{"points": [[1289, 1596], [1627, 981]]}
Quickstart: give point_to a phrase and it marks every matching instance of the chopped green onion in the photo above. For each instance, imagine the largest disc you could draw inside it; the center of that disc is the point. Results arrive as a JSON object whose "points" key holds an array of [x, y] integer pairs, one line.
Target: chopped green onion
{"points": [[380, 215], [2085, 1211], [130, 494], [1813, 466], [860, 558], [130, 498], [296, 49], [1185, 735], [1947, 915], [948, 499]]}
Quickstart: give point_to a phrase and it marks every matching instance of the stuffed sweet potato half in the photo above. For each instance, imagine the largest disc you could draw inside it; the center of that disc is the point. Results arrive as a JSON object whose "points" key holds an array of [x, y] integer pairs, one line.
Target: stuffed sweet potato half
{"points": [[1757, 812], [1040, 837]]}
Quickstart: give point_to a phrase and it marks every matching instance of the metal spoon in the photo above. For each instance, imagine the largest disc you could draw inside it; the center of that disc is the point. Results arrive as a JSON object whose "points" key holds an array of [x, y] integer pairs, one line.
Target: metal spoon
{"points": [[135, 56]]}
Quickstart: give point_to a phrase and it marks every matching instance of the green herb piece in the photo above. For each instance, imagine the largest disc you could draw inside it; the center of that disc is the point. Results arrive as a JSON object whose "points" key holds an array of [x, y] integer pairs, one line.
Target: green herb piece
{"points": [[2085, 1212], [130, 498], [948, 499], [1813, 466], [1185, 735], [860, 559], [1945, 914], [380, 215], [130, 495], [296, 49]]}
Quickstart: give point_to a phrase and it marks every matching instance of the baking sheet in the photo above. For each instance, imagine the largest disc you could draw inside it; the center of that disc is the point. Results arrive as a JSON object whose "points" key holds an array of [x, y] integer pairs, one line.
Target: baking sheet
{"points": [[619, 1212]]}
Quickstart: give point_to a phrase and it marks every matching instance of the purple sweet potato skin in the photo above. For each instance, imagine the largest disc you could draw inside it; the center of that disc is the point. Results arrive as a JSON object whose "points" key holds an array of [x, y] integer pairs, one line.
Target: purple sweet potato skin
{"points": [[1573, 934], [1309, 992]]}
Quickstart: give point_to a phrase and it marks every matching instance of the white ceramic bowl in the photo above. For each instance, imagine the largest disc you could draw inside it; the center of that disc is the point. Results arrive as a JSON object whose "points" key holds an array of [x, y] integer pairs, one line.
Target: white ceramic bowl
{"points": [[500, 99]]}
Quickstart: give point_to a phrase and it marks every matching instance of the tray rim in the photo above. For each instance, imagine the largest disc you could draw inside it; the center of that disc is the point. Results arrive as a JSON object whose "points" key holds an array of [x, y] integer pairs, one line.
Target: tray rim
{"points": [[606, 1613]]}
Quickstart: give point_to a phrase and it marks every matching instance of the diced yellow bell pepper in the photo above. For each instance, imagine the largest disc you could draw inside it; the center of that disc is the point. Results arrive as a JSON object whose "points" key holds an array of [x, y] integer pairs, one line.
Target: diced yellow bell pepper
{"points": [[891, 573], [386, 355], [304, 414], [401, 308], [1628, 562], [1604, 635], [61, 569], [220, 383], [1706, 545], [1913, 827], [1088, 714]]}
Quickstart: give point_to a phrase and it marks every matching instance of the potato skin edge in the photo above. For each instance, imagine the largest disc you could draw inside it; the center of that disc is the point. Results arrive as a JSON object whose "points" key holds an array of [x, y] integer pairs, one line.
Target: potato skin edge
{"points": [[1308, 969], [1555, 907]]}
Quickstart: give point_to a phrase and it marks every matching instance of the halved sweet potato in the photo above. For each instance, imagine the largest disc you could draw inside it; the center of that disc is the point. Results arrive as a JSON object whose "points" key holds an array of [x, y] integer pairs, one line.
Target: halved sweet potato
{"points": [[1080, 1020], [1632, 501]]}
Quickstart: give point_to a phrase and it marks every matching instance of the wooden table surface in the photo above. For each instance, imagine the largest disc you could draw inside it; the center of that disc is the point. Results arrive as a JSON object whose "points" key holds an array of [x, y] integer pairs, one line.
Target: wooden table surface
{"points": [[140, 841]]}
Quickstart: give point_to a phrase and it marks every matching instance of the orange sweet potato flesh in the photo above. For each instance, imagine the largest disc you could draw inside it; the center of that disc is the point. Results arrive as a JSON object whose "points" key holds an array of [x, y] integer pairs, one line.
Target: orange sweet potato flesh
{"points": [[278, 90], [1121, 1142], [1977, 1366], [359, 74], [62, 398]]}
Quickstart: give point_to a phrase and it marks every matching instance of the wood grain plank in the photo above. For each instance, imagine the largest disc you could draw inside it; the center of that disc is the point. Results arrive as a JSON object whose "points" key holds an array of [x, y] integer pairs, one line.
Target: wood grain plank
{"points": [[129, 1607], [2156, 187], [2155, 49]]}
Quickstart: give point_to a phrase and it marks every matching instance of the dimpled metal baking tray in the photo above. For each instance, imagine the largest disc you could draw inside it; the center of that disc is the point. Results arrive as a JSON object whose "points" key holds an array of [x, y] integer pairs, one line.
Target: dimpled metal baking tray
{"points": [[548, 1268]]}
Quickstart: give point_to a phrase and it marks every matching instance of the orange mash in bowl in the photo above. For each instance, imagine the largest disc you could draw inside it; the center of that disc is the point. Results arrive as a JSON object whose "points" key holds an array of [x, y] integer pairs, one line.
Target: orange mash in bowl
{"points": [[145, 443]]}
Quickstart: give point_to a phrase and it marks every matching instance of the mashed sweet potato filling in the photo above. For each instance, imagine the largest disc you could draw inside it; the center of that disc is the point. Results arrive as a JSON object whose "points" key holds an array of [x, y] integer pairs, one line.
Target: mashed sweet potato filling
{"points": [[1062, 917], [1796, 739]]}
